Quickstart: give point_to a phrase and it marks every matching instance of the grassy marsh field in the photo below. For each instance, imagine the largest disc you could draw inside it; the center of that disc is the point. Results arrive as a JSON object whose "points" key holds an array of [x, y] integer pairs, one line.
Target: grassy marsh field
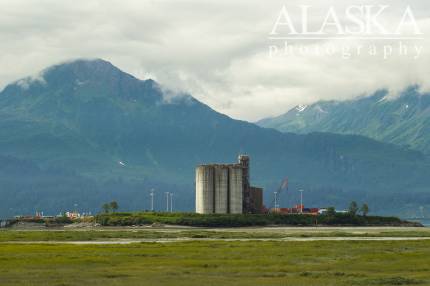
{"points": [[128, 233], [218, 263]]}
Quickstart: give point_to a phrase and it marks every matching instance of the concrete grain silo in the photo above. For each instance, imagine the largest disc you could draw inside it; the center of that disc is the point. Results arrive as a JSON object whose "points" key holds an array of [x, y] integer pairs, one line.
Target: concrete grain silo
{"points": [[225, 188], [221, 189], [205, 189], [236, 189]]}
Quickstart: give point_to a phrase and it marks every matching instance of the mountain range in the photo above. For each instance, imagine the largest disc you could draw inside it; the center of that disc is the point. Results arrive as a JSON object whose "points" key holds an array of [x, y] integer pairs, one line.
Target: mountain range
{"points": [[84, 132], [403, 119]]}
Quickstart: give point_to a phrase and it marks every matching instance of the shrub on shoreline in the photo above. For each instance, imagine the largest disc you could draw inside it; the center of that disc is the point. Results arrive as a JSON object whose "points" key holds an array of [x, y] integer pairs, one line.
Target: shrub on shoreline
{"points": [[243, 220]]}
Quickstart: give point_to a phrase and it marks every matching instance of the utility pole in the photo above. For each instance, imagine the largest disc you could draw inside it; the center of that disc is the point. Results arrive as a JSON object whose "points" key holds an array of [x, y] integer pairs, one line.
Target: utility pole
{"points": [[167, 201], [152, 200], [276, 201], [171, 202], [301, 201]]}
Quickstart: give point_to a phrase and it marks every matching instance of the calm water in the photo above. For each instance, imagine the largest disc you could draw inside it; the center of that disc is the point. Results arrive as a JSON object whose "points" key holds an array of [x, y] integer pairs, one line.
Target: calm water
{"points": [[423, 221], [426, 222]]}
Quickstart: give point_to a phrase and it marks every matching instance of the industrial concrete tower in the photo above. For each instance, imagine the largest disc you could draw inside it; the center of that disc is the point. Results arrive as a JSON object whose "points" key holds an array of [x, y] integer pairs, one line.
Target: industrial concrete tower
{"points": [[225, 188]]}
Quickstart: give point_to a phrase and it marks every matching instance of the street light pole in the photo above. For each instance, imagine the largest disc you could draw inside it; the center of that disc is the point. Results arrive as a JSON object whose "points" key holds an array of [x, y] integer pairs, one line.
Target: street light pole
{"points": [[167, 201], [301, 201], [152, 200], [171, 202]]}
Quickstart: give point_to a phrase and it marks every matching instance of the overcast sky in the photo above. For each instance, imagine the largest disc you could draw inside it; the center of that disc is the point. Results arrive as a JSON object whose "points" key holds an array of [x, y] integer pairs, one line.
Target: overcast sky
{"points": [[215, 50]]}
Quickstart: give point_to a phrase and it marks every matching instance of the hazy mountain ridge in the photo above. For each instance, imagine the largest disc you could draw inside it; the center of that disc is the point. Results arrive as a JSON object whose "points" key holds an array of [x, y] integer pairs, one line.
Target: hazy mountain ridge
{"points": [[402, 120], [92, 133]]}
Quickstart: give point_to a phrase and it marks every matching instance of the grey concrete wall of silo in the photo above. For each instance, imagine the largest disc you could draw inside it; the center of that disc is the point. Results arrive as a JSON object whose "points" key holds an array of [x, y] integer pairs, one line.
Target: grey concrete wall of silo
{"points": [[236, 189], [221, 189], [205, 189], [244, 162]]}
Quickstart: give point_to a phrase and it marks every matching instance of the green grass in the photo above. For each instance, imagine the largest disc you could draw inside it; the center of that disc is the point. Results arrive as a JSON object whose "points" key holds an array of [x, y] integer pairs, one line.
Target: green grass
{"points": [[218, 263], [102, 234], [9, 236]]}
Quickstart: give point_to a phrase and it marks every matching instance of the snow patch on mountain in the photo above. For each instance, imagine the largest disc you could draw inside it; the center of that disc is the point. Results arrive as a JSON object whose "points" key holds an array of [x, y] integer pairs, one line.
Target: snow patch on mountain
{"points": [[78, 82], [385, 98], [301, 108]]}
